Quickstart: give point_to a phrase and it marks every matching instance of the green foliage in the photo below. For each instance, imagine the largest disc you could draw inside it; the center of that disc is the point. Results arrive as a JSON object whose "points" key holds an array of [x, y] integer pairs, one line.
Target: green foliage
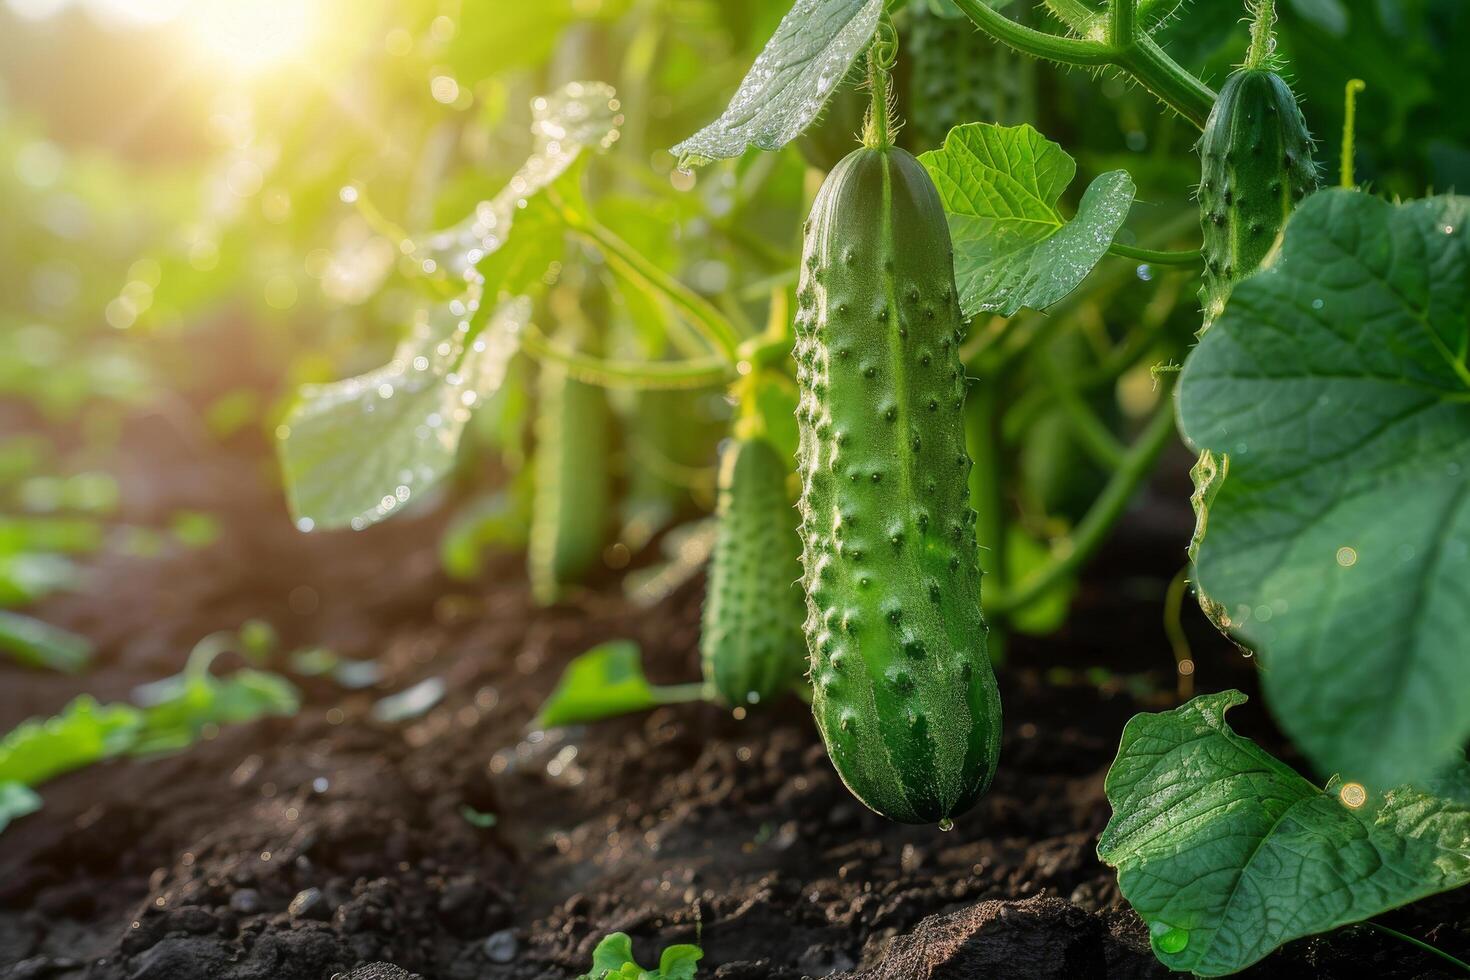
{"points": [[613, 960], [39, 644], [201, 700], [799, 70], [1013, 248], [354, 451], [751, 643], [16, 801], [902, 686], [82, 733], [1332, 405], [604, 682], [1256, 166], [1227, 853]]}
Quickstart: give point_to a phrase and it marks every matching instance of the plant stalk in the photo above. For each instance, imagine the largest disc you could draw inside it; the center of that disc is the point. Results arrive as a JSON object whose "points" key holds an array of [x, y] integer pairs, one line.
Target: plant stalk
{"points": [[1093, 529]]}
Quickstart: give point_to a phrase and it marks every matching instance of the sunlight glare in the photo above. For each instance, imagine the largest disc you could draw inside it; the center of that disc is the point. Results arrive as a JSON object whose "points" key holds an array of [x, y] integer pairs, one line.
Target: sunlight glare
{"points": [[252, 35]]}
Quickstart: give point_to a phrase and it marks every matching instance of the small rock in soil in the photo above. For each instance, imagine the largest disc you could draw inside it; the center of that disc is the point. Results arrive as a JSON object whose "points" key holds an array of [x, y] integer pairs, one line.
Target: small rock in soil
{"points": [[501, 947], [378, 971], [246, 901], [310, 903]]}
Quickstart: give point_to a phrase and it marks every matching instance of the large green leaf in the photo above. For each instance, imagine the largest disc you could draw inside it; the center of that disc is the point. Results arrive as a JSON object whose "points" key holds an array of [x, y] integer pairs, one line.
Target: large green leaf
{"points": [[791, 80], [1013, 247], [1227, 853], [354, 451], [1332, 406]]}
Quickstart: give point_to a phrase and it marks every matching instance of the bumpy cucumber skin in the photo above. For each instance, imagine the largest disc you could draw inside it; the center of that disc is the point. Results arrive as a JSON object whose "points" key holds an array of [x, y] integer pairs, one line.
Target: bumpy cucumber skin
{"points": [[958, 75], [1255, 167], [751, 642], [903, 690], [570, 508]]}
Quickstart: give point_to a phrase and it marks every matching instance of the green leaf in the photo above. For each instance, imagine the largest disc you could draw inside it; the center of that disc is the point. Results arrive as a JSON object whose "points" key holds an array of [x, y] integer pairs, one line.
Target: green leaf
{"points": [[202, 700], [1332, 406], [354, 451], [16, 800], [40, 644], [1013, 248], [576, 117], [679, 962], [1227, 853], [613, 953], [792, 78], [25, 578], [84, 732], [604, 682]]}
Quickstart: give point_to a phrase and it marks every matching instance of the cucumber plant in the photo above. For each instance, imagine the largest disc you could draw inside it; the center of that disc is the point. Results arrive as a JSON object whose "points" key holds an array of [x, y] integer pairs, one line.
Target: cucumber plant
{"points": [[963, 305]]}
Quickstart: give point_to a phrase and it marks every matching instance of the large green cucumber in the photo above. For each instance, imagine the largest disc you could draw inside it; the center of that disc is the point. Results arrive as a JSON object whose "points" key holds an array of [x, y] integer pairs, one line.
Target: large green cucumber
{"points": [[903, 690], [1255, 167], [571, 502], [751, 642]]}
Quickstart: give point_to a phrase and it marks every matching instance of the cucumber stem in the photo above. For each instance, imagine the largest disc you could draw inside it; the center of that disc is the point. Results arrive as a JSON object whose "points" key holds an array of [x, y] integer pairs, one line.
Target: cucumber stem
{"points": [[1140, 57], [882, 55], [1263, 41], [635, 266], [706, 372], [1122, 22], [1349, 124]]}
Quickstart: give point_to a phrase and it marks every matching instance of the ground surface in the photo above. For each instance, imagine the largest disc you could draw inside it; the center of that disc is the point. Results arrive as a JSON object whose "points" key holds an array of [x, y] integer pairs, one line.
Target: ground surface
{"points": [[303, 848]]}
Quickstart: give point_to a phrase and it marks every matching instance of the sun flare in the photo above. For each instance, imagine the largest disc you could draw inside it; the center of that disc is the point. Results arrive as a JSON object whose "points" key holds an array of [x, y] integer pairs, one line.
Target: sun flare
{"points": [[252, 35]]}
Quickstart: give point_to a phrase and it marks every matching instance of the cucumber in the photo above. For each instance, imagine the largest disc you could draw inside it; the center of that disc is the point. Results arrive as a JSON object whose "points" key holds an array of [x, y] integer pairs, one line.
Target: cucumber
{"points": [[751, 643], [1255, 167], [957, 75], [571, 503], [903, 690]]}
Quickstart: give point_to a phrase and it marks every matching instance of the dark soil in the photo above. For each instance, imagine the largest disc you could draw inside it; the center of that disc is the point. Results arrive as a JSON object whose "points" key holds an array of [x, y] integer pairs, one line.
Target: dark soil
{"points": [[328, 843]]}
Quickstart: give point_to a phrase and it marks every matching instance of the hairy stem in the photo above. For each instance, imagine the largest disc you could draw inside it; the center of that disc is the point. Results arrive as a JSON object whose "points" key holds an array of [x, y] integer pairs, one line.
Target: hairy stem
{"points": [[1262, 40], [1122, 22], [1138, 56], [1038, 44]]}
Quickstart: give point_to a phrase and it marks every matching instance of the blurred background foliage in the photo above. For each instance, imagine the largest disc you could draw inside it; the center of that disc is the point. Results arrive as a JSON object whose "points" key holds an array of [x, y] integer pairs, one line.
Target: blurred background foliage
{"points": [[203, 202]]}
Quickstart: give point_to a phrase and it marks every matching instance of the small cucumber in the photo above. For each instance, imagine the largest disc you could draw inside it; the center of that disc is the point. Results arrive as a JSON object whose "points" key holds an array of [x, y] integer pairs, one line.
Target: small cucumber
{"points": [[751, 642], [903, 690], [1255, 167], [571, 502]]}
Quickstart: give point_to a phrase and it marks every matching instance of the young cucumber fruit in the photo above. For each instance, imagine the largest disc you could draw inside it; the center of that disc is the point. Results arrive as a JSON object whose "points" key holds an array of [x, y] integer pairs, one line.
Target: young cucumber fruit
{"points": [[570, 505], [1256, 166], [903, 690], [751, 641]]}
